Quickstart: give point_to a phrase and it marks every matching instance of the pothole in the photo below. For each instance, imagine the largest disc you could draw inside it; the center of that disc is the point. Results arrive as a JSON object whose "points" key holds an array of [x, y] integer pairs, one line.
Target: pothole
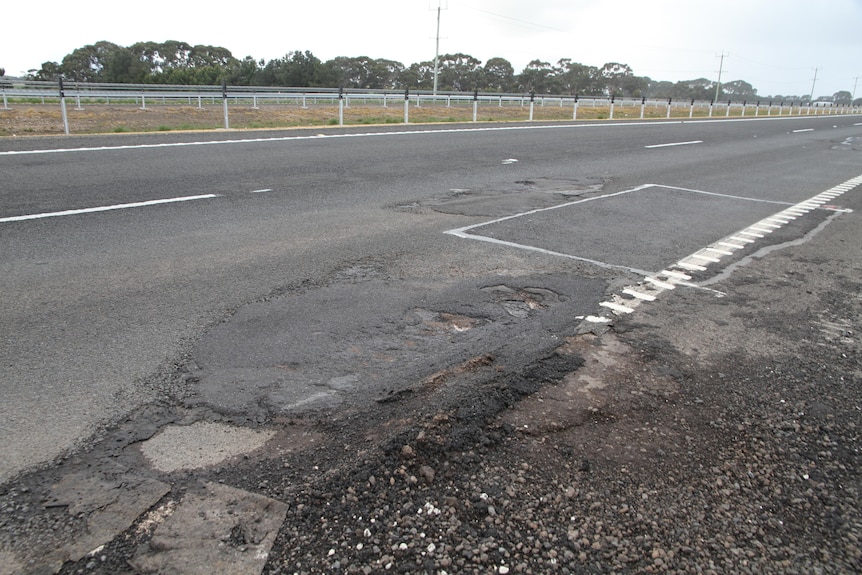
{"points": [[522, 302], [438, 322], [506, 199]]}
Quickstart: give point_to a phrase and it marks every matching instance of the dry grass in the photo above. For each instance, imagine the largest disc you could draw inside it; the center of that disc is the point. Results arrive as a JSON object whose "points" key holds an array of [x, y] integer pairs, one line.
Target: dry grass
{"points": [[43, 119]]}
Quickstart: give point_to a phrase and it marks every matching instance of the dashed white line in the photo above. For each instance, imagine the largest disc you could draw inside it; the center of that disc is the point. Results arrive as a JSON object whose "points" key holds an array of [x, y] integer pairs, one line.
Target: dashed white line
{"points": [[105, 208], [674, 144], [263, 191]]}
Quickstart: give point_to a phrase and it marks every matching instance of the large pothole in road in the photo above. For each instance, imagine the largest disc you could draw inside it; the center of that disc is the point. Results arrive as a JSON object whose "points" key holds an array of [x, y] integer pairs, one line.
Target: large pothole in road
{"points": [[365, 341]]}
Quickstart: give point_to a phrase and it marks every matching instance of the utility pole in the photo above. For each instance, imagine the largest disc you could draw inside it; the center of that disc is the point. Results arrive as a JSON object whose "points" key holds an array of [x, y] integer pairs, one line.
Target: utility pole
{"points": [[437, 49], [813, 83], [720, 70]]}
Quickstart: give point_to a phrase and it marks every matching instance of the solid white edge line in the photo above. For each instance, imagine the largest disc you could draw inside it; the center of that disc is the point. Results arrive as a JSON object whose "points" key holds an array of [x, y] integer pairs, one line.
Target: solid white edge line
{"points": [[105, 208]]}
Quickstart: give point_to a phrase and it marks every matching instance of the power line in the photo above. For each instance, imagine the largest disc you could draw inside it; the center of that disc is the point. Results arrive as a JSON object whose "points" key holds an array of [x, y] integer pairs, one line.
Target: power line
{"points": [[518, 20]]}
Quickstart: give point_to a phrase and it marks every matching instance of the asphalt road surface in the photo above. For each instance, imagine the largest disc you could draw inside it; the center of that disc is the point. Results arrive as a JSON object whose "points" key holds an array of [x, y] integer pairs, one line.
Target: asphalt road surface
{"points": [[143, 268]]}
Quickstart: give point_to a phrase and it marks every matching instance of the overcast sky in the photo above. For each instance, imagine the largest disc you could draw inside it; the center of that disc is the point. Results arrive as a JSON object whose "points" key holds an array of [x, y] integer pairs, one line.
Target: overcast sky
{"points": [[774, 45]]}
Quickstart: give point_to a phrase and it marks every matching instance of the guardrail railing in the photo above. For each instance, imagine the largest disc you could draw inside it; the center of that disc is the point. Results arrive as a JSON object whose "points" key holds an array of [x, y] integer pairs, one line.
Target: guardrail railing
{"points": [[259, 98]]}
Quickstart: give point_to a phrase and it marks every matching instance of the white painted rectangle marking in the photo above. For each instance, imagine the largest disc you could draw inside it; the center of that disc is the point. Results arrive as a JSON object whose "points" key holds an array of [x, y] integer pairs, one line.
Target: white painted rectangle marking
{"points": [[659, 283], [105, 208], [705, 258], [639, 295], [718, 251], [744, 240], [616, 307], [678, 275], [730, 245], [674, 144], [261, 191], [692, 267], [804, 130]]}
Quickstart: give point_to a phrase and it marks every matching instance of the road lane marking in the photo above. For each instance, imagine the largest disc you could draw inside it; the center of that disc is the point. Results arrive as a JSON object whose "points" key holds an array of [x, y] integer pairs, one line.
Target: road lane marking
{"points": [[105, 208], [805, 130], [263, 191], [668, 279], [618, 305], [639, 295], [674, 144]]}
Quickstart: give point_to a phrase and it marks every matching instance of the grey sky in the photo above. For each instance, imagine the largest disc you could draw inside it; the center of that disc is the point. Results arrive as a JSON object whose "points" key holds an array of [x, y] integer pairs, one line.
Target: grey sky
{"points": [[775, 46]]}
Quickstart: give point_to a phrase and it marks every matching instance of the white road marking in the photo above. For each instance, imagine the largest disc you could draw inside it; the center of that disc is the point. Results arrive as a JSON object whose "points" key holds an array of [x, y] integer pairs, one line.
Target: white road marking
{"points": [[690, 266], [686, 265], [676, 275], [261, 191], [639, 295], [105, 208], [661, 284], [509, 161], [674, 144], [617, 307], [805, 130], [675, 278], [718, 251]]}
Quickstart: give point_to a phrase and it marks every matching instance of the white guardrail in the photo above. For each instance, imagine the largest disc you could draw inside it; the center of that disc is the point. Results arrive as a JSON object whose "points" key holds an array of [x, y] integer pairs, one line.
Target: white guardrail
{"points": [[142, 95]]}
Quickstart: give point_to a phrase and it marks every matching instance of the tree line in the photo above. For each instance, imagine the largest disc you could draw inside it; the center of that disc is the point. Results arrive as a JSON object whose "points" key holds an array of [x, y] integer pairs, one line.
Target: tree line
{"points": [[174, 62]]}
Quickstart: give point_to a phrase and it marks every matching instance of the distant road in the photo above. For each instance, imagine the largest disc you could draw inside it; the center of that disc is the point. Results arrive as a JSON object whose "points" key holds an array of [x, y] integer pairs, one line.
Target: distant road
{"points": [[120, 253]]}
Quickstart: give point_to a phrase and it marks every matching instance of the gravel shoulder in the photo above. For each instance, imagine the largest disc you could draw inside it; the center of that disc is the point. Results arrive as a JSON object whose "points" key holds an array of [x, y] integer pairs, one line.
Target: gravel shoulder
{"points": [[703, 434]]}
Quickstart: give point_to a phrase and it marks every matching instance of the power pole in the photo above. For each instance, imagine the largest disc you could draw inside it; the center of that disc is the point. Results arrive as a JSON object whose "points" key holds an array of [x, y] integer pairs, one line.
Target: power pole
{"points": [[720, 70], [813, 83], [437, 49]]}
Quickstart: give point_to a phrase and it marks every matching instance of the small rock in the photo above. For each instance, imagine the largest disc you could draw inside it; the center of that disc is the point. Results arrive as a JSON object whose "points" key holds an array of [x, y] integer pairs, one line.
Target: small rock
{"points": [[427, 473]]}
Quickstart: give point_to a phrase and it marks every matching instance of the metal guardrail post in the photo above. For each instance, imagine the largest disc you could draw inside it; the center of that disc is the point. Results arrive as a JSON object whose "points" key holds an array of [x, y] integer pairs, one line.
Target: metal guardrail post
{"points": [[341, 106], [475, 105], [63, 107], [224, 105]]}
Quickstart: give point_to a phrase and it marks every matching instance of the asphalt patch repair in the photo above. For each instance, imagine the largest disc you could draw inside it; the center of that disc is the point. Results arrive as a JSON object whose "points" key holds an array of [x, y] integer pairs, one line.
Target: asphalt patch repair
{"points": [[722, 437]]}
